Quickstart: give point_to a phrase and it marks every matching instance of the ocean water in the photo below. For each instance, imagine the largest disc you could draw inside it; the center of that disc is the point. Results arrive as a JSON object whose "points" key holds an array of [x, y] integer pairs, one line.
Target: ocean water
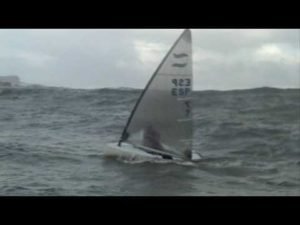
{"points": [[52, 142]]}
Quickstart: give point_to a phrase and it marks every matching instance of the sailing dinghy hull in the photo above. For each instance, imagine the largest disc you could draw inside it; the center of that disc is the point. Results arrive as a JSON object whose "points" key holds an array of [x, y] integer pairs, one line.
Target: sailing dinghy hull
{"points": [[129, 152]]}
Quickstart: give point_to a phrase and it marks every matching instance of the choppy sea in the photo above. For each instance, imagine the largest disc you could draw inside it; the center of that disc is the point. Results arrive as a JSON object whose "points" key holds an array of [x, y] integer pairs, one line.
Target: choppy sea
{"points": [[52, 142]]}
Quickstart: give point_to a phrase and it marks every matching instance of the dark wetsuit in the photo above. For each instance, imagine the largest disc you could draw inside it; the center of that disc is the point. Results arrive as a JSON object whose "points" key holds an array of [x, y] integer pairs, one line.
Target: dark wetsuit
{"points": [[152, 140]]}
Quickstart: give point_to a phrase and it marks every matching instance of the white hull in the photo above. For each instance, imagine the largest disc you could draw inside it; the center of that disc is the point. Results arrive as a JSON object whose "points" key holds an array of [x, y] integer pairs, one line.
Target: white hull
{"points": [[129, 152]]}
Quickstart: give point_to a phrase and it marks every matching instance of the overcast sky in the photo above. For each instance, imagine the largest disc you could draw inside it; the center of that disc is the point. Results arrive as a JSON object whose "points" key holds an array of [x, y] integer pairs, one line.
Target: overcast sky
{"points": [[223, 59]]}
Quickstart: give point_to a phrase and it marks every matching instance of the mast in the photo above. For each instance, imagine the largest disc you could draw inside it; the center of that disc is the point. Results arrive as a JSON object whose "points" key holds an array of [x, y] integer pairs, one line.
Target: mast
{"points": [[125, 135]]}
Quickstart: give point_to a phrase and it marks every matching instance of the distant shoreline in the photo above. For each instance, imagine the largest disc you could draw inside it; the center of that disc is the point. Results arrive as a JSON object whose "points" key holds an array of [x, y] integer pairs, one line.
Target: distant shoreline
{"points": [[22, 85]]}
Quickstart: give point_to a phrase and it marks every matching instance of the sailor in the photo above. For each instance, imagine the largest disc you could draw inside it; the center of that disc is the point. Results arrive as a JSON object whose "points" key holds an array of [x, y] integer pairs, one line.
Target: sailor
{"points": [[152, 140]]}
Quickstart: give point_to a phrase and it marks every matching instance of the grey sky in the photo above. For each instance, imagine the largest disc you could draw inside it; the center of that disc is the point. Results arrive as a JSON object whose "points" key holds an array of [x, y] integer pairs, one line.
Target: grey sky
{"points": [[223, 59]]}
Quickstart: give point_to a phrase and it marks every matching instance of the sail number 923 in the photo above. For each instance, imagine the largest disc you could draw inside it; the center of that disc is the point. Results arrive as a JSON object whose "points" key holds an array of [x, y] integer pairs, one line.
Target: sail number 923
{"points": [[182, 87]]}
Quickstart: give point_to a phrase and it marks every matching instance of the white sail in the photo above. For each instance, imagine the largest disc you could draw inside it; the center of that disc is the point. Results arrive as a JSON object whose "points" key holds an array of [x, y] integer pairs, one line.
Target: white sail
{"points": [[162, 117]]}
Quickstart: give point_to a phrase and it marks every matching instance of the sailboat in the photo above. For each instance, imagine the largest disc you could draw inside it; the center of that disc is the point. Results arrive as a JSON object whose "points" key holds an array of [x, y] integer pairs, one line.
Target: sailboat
{"points": [[160, 125]]}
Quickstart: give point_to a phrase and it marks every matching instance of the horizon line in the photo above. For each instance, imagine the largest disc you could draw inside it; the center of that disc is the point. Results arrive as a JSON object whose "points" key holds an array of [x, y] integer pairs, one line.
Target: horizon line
{"points": [[133, 88]]}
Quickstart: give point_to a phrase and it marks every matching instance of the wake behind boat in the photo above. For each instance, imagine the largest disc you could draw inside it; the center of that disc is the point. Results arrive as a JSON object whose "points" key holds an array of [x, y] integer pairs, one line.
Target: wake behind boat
{"points": [[161, 124]]}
